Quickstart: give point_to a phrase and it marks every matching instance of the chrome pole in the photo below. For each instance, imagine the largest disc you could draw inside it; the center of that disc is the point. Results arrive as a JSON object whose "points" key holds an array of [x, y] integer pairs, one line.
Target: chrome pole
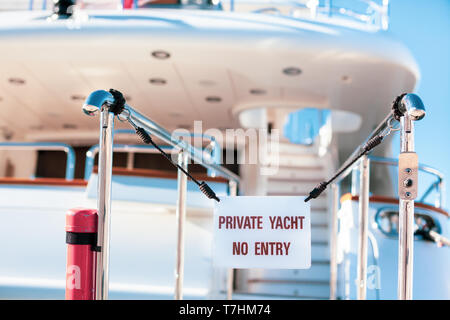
{"points": [[104, 202], [412, 109], [361, 274], [130, 161], [181, 217], [406, 249], [232, 185], [406, 217], [354, 183], [333, 240], [132, 148]]}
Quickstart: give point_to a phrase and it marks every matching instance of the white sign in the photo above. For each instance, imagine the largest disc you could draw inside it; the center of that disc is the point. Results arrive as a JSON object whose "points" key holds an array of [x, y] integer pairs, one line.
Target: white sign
{"points": [[262, 232]]}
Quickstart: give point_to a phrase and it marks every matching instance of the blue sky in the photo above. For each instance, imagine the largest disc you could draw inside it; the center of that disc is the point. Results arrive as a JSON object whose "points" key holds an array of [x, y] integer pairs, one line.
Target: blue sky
{"points": [[424, 27]]}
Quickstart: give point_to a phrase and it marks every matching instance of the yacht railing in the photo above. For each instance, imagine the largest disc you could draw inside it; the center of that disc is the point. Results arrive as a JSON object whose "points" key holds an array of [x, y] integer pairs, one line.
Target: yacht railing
{"points": [[372, 13], [197, 155], [46, 146], [213, 147], [128, 148]]}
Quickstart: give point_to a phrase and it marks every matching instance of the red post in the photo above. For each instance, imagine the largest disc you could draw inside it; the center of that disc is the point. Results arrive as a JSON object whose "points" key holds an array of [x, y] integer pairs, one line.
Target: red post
{"points": [[81, 239]]}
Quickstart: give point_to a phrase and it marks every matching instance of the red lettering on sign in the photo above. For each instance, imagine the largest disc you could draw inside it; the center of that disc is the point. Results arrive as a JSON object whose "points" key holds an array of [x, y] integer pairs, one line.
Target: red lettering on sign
{"points": [[286, 223], [240, 248], [272, 248], [229, 222], [221, 221], [241, 222], [286, 247], [301, 221]]}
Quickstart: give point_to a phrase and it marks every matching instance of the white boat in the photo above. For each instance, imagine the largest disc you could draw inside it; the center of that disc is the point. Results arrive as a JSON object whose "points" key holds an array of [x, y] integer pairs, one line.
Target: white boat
{"points": [[321, 76]]}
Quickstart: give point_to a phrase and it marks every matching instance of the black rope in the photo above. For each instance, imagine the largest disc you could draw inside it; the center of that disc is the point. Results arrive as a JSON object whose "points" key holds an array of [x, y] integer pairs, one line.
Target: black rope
{"points": [[369, 145], [203, 186]]}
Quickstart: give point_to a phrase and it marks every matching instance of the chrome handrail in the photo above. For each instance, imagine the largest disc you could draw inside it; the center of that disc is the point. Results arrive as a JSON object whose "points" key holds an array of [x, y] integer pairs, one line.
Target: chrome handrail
{"points": [[438, 184], [46, 146], [422, 167], [375, 13], [92, 152], [214, 146], [195, 154]]}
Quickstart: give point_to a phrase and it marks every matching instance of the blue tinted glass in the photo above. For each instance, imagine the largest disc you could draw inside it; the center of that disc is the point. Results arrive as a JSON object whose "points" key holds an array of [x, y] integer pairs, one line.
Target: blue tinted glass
{"points": [[303, 126]]}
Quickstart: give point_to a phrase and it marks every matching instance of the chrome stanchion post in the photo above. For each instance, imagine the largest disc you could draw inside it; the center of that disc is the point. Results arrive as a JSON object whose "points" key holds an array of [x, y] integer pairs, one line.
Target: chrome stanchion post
{"points": [[408, 165], [333, 240], [230, 272], [130, 161], [181, 217], [101, 101], [104, 202], [361, 276], [411, 108], [354, 182]]}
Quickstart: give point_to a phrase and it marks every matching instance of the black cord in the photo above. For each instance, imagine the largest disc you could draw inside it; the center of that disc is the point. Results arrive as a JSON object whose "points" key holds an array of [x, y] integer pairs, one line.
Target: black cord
{"points": [[369, 145], [146, 138], [119, 102]]}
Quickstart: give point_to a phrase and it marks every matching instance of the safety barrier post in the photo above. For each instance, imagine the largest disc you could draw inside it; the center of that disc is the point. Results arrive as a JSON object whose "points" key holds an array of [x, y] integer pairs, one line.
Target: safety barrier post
{"points": [[333, 241], [410, 109], [363, 228], [181, 217]]}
